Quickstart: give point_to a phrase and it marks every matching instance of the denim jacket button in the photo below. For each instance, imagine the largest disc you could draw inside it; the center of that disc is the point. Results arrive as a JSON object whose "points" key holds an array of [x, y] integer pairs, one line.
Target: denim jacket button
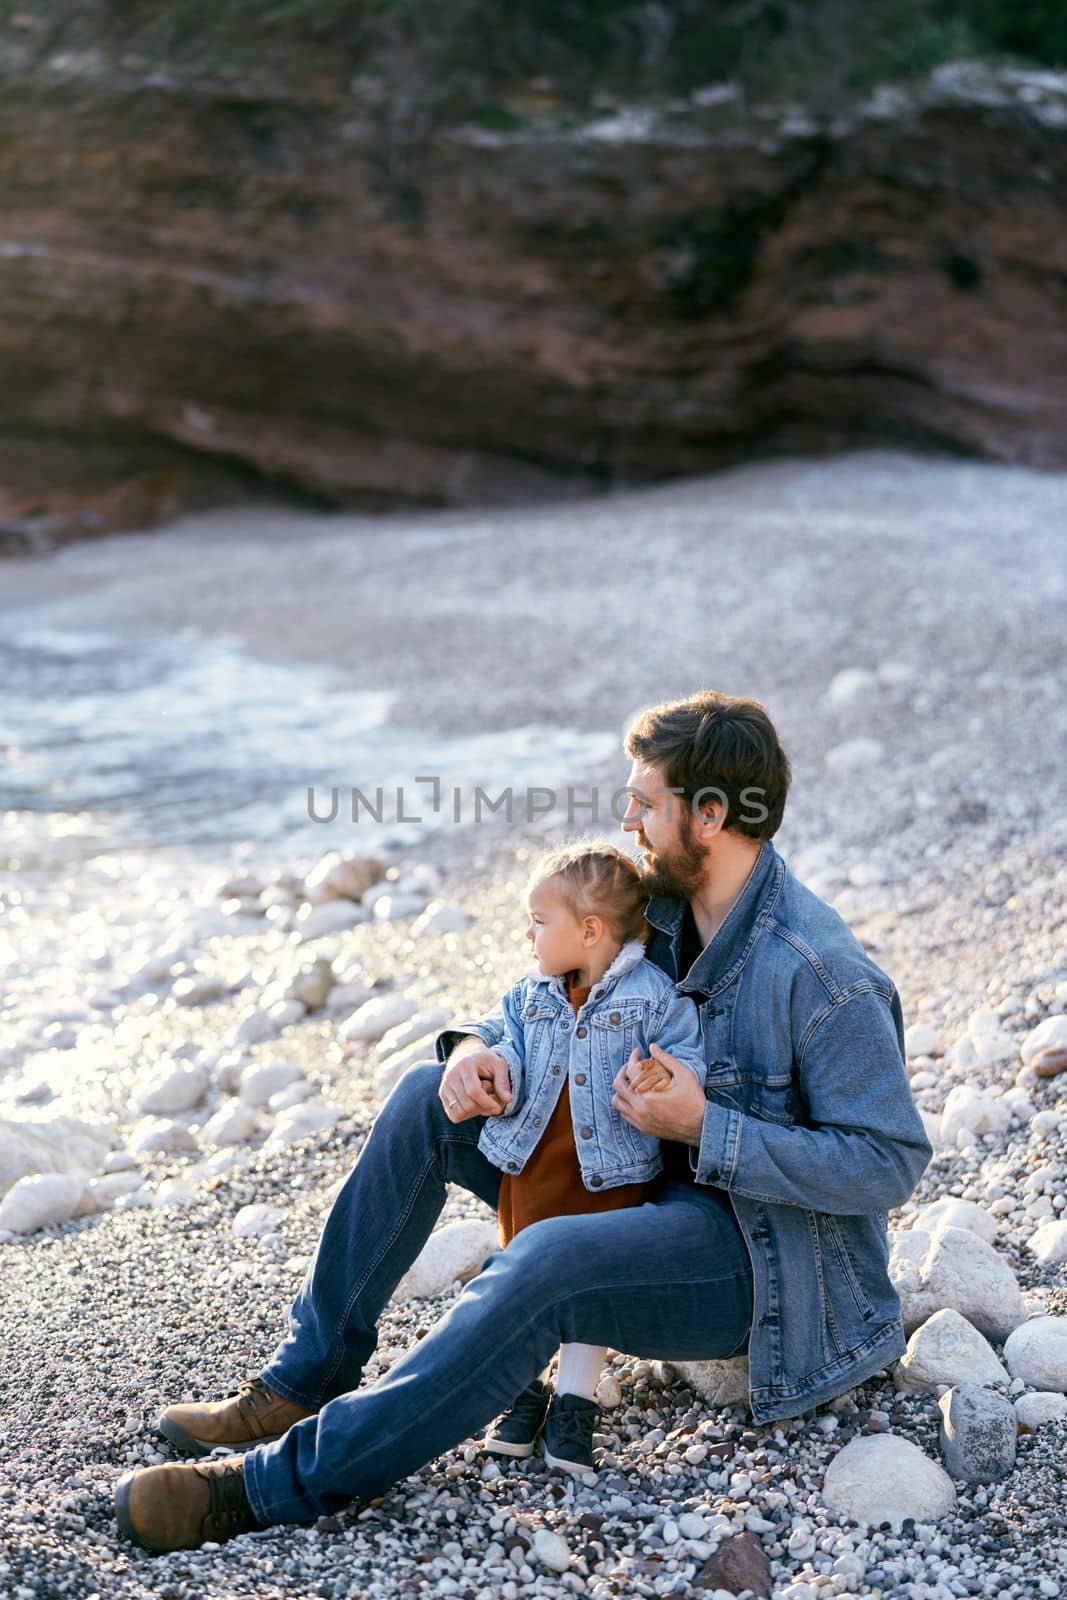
{"points": [[596, 1180], [616, 1016], [580, 1033], [564, 1027], [513, 1166], [556, 1070], [579, 1077], [537, 1122], [587, 1133]]}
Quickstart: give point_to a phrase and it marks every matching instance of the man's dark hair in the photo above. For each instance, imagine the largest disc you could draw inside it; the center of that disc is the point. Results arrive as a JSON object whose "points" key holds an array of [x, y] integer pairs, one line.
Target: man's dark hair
{"points": [[718, 742]]}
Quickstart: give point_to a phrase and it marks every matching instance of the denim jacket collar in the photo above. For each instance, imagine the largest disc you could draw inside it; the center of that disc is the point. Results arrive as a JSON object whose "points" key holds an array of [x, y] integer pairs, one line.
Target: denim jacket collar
{"points": [[631, 954], [722, 959]]}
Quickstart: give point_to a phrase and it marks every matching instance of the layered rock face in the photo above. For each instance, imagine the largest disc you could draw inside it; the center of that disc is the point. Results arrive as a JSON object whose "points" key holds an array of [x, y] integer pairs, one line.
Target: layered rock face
{"points": [[206, 289]]}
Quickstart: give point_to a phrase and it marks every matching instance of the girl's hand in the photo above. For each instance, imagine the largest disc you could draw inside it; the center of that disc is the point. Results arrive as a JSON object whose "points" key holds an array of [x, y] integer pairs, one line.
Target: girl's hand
{"points": [[676, 1112], [649, 1075]]}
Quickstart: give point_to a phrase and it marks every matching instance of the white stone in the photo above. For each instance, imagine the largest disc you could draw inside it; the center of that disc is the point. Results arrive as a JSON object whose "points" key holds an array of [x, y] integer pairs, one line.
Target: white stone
{"points": [[154, 1136], [850, 684], [105, 1191], [198, 989], [1048, 1244], [885, 1478], [342, 876], [376, 1017], [261, 1080], [1031, 1410], [955, 1268], [233, 1123], [45, 1199], [50, 1144], [395, 907], [253, 1027], [691, 1525], [1045, 1123], [609, 1393], [854, 755], [173, 1086], [297, 1091], [419, 1026], [984, 1020], [348, 996], [920, 1040], [1037, 1353], [453, 1252], [995, 1048], [252, 1222], [947, 1349], [312, 922], [312, 984], [722, 1383], [1052, 1033], [440, 918], [974, 1110], [174, 1192], [393, 1069], [300, 1121], [949, 1212], [285, 1012], [551, 1550]]}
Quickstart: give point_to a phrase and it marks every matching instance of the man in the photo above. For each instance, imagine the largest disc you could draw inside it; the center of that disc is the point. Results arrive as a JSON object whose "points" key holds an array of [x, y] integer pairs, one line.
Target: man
{"points": [[766, 1232]]}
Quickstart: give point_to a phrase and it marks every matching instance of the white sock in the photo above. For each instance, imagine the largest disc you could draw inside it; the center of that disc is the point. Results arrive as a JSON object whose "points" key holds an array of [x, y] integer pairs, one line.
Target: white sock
{"points": [[580, 1368]]}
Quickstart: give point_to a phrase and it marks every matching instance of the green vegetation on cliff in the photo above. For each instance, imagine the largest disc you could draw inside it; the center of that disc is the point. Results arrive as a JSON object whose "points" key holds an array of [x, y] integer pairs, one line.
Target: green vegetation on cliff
{"points": [[458, 57]]}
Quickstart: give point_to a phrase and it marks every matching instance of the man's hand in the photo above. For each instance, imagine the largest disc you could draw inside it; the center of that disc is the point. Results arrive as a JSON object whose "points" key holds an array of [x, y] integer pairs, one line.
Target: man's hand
{"points": [[475, 1083], [676, 1112]]}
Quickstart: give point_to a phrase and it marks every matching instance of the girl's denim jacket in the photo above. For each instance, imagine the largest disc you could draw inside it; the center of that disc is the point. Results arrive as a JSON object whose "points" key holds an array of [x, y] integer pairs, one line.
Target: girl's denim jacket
{"points": [[634, 1003], [810, 1128]]}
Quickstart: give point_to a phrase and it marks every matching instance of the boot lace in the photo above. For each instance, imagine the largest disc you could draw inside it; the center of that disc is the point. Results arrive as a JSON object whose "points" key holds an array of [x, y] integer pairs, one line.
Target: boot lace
{"points": [[250, 1393], [228, 1512]]}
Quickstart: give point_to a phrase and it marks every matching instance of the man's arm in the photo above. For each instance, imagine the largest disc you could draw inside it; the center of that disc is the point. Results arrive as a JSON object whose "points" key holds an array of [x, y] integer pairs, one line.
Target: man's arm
{"points": [[863, 1147]]}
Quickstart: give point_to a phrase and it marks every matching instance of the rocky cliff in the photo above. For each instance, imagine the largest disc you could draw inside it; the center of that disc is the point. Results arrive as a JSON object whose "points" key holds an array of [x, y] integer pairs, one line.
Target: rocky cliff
{"points": [[208, 289]]}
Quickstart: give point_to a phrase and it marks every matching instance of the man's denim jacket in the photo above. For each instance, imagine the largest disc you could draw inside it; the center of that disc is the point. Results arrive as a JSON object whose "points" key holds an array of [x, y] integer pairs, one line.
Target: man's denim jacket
{"points": [[543, 1043], [810, 1128]]}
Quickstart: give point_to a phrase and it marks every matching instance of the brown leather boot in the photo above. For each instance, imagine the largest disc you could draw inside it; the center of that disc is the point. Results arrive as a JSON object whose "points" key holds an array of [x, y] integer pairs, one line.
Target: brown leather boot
{"points": [[183, 1507], [254, 1415]]}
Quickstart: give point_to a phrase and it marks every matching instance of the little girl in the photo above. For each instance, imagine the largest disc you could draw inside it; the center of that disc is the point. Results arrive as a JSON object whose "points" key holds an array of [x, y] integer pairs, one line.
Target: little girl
{"points": [[592, 1005]]}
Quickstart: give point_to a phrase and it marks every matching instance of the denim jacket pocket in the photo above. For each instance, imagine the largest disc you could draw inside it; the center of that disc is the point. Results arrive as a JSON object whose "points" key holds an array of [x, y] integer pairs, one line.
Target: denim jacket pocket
{"points": [[616, 1031], [831, 1226]]}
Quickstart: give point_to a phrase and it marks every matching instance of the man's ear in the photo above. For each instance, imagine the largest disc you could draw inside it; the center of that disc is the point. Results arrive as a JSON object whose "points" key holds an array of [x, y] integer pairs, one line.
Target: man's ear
{"points": [[711, 818], [592, 929]]}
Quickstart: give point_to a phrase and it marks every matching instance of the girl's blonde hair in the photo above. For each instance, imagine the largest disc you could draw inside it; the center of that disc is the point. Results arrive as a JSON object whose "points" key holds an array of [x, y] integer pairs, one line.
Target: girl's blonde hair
{"points": [[594, 875]]}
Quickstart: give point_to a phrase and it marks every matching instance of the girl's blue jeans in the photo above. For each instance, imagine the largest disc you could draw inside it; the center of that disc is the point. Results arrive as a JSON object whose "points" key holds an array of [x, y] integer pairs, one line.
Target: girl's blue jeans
{"points": [[668, 1279]]}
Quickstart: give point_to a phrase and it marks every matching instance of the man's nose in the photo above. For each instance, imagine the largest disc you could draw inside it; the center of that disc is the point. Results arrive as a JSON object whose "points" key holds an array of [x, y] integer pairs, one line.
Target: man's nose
{"points": [[631, 818]]}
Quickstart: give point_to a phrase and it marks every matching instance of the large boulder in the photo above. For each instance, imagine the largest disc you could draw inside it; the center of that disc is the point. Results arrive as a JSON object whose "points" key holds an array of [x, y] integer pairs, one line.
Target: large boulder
{"points": [[1037, 1353], [453, 1252], [884, 1478], [947, 1349], [50, 1144], [977, 1434], [44, 1199], [954, 1268], [722, 1383]]}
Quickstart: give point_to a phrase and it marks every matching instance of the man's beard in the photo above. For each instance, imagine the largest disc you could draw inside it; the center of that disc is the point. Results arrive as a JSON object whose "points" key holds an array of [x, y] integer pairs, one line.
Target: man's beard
{"points": [[677, 874]]}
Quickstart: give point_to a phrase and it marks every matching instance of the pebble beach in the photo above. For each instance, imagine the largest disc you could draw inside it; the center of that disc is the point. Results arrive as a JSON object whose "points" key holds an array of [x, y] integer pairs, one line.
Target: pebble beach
{"points": [[208, 994]]}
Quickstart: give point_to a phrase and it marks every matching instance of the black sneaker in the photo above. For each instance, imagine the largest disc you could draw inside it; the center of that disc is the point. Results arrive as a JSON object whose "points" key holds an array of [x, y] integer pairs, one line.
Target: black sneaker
{"points": [[515, 1433], [567, 1437]]}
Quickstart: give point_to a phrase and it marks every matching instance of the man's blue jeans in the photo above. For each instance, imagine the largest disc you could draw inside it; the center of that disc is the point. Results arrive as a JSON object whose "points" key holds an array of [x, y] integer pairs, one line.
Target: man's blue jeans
{"points": [[670, 1278]]}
